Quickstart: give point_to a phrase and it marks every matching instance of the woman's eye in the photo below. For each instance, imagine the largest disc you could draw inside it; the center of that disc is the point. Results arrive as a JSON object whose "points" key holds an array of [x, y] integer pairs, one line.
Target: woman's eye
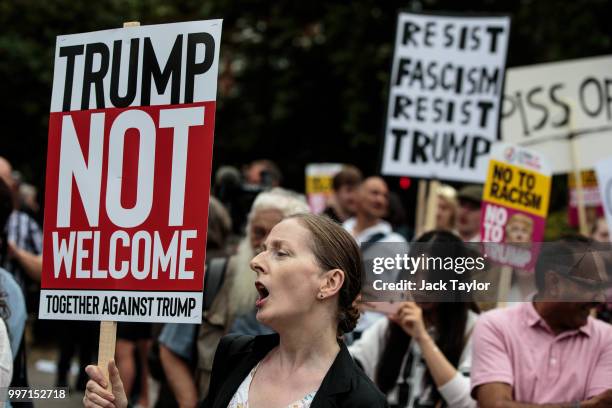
{"points": [[281, 254]]}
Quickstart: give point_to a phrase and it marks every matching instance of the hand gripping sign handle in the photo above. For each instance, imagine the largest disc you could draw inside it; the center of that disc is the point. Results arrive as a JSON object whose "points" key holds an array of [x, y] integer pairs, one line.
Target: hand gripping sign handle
{"points": [[108, 330]]}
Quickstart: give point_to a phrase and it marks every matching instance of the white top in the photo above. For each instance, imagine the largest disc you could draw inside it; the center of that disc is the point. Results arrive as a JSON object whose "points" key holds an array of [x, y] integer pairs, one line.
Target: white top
{"points": [[456, 393], [382, 227], [241, 397], [6, 357], [368, 317]]}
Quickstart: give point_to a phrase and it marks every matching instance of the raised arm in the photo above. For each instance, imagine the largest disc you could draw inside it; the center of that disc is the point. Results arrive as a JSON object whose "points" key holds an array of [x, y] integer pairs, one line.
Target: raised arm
{"points": [[179, 378], [31, 263], [452, 385]]}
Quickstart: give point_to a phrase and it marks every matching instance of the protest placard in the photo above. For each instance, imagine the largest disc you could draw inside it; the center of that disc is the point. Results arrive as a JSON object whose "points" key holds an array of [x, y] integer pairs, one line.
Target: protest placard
{"points": [[590, 195], [319, 178], [445, 95], [603, 169], [515, 204], [128, 173], [545, 104]]}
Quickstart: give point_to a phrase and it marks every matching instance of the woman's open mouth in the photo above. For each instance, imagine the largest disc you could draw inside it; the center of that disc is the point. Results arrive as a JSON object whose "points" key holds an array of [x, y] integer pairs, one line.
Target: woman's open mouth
{"points": [[263, 294]]}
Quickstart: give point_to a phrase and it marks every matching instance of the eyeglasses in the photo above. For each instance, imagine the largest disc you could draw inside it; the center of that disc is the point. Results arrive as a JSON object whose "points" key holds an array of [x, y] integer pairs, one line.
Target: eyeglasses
{"points": [[588, 284]]}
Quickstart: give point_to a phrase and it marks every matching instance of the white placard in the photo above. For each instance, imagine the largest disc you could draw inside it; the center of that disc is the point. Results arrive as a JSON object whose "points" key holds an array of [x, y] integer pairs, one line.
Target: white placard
{"points": [[545, 103], [603, 169], [445, 95]]}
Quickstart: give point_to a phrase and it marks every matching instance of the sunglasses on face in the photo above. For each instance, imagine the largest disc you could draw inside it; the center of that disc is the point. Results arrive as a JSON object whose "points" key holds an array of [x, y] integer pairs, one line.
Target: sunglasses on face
{"points": [[588, 284]]}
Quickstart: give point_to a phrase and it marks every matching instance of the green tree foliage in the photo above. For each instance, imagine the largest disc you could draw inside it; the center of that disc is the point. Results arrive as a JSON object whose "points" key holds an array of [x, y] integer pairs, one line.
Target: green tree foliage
{"points": [[300, 81]]}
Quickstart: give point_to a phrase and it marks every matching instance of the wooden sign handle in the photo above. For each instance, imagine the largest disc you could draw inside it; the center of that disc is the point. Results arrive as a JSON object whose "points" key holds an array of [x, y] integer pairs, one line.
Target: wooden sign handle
{"points": [[108, 330], [106, 348], [432, 206], [579, 189], [505, 281], [420, 208], [575, 154]]}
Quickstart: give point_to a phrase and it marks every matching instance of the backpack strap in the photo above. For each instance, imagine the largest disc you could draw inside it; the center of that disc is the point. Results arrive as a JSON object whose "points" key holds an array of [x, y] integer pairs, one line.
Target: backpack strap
{"points": [[213, 279], [372, 240]]}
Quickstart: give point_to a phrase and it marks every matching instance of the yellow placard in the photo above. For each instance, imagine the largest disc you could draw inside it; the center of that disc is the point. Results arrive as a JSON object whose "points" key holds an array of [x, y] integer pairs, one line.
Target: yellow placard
{"points": [[518, 188], [588, 179], [318, 184]]}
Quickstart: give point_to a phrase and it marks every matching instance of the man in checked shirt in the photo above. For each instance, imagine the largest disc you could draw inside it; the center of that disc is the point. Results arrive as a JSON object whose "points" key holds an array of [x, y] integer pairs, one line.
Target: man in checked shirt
{"points": [[24, 237]]}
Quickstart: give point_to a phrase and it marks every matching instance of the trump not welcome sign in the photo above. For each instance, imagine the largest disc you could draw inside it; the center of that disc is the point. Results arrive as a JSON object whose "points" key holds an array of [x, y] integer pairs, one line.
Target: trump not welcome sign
{"points": [[128, 173]]}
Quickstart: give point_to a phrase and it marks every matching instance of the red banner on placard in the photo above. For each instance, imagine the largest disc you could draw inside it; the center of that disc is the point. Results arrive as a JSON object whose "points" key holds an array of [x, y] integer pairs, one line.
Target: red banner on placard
{"points": [[152, 255]]}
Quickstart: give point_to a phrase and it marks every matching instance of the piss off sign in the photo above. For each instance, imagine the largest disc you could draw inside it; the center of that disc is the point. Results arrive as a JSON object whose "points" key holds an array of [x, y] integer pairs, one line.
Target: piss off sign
{"points": [[128, 173]]}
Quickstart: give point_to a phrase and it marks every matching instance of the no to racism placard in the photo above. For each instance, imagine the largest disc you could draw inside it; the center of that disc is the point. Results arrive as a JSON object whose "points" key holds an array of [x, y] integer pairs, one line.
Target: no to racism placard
{"points": [[445, 95], [590, 197], [128, 173], [515, 205], [545, 103]]}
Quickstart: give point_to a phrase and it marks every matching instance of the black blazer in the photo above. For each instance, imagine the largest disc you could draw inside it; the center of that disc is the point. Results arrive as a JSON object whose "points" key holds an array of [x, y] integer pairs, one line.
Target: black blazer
{"points": [[345, 385]]}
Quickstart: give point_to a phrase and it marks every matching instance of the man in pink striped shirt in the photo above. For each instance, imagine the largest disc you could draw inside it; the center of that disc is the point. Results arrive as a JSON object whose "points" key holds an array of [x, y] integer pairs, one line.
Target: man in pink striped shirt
{"points": [[550, 351]]}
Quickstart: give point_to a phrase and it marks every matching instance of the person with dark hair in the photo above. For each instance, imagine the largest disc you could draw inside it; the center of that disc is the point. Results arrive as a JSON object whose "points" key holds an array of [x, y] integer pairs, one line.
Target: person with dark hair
{"points": [[308, 277], [468, 212], [237, 190], [396, 216], [341, 205], [601, 233], [421, 356], [549, 352], [263, 173]]}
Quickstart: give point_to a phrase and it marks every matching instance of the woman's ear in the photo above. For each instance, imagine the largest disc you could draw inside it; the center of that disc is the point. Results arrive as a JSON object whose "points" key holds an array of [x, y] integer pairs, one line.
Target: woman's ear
{"points": [[332, 283]]}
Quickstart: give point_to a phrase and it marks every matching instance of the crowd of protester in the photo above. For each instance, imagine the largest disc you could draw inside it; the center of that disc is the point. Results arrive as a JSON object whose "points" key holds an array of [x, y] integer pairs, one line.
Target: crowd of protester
{"points": [[315, 345]]}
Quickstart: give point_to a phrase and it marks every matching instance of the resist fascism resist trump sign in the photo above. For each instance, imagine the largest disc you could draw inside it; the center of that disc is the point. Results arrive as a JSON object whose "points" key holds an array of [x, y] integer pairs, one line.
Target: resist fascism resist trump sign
{"points": [[128, 173], [445, 95]]}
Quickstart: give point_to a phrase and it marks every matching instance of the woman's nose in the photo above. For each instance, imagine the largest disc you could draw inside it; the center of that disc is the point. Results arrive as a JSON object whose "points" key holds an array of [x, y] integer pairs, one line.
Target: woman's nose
{"points": [[256, 265]]}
